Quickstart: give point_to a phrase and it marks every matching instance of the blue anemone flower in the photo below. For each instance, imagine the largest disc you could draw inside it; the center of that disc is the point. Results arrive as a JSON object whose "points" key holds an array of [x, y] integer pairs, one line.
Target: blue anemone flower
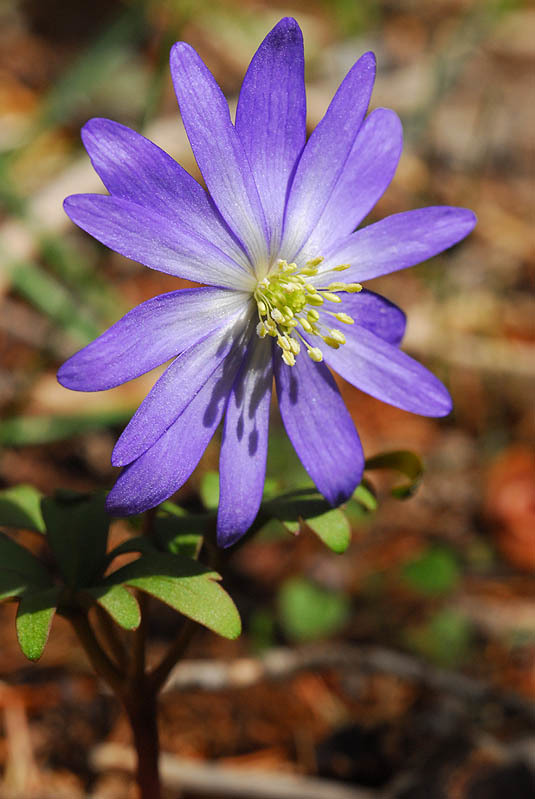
{"points": [[273, 242]]}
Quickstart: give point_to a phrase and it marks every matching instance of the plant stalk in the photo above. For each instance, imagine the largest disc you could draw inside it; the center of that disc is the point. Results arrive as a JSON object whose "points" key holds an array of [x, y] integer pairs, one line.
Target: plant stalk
{"points": [[141, 707]]}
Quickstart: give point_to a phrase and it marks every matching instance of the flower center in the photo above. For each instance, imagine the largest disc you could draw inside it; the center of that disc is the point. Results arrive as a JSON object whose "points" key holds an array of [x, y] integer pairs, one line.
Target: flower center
{"points": [[288, 304]]}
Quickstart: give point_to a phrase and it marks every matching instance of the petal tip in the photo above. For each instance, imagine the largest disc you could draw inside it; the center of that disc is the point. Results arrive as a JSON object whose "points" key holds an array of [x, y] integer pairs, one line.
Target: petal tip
{"points": [[228, 537], [368, 60]]}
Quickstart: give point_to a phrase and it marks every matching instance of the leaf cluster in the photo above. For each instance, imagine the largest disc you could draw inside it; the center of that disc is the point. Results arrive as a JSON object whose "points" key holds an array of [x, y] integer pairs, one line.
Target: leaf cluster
{"points": [[79, 572]]}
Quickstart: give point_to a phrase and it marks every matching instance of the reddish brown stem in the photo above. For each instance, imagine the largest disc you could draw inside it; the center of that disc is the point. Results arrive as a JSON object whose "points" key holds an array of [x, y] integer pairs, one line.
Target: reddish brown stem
{"points": [[142, 709]]}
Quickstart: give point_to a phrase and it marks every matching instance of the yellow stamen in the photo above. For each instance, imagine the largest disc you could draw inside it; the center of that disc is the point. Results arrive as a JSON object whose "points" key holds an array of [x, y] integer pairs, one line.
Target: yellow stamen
{"points": [[287, 299]]}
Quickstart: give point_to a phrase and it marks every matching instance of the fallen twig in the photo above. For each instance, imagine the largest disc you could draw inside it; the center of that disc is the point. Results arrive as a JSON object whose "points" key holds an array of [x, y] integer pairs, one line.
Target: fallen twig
{"points": [[281, 663], [209, 779]]}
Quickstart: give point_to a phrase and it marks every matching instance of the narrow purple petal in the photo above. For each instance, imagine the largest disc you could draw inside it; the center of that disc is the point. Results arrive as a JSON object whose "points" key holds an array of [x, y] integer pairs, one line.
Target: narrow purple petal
{"points": [[364, 179], [319, 426], [382, 370], [271, 117], [399, 241], [166, 466], [325, 155], [218, 150], [157, 241], [175, 389], [377, 314], [242, 465], [149, 335], [134, 168]]}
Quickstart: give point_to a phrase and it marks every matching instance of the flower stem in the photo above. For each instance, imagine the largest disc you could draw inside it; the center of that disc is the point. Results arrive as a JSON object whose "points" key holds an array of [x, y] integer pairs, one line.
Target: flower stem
{"points": [[141, 707]]}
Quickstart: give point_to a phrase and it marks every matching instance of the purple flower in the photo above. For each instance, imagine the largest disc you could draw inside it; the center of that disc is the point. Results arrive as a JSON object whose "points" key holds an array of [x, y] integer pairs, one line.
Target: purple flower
{"points": [[273, 241]]}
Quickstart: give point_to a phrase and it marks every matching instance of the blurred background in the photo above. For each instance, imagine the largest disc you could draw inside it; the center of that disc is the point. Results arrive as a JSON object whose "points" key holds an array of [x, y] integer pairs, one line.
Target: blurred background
{"points": [[420, 678]]}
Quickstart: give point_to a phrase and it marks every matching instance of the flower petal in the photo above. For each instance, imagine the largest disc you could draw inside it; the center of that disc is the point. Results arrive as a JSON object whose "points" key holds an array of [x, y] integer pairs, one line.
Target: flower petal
{"points": [[319, 426], [271, 117], [325, 155], [218, 150], [399, 241], [242, 465], [149, 335], [382, 370], [371, 311], [364, 179], [175, 389], [157, 241], [134, 168], [166, 466]]}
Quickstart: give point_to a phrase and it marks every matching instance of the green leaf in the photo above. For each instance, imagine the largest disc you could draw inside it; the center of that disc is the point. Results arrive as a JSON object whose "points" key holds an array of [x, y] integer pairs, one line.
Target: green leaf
{"points": [[77, 529], [119, 603], [333, 529], [363, 494], [181, 534], [433, 573], [304, 503], [446, 638], [308, 611], [187, 586], [408, 463], [209, 490], [138, 543], [20, 571], [20, 507], [34, 617]]}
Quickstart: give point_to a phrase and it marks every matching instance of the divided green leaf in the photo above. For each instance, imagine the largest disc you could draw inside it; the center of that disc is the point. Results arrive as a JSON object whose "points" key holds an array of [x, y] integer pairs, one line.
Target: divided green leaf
{"points": [[20, 571], [34, 617], [180, 534], [77, 527], [408, 463], [333, 529], [20, 507], [119, 603], [185, 585]]}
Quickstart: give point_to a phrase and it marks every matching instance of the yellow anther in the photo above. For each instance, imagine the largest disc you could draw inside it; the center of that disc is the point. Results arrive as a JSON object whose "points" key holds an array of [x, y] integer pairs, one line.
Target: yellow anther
{"points": [[331, 297], [286, 298], [344, 317], [353, 287], [283, 342], [337, 335], [288, 358], [340, 268], [331, 342], [315, 353], [337, 286]]}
